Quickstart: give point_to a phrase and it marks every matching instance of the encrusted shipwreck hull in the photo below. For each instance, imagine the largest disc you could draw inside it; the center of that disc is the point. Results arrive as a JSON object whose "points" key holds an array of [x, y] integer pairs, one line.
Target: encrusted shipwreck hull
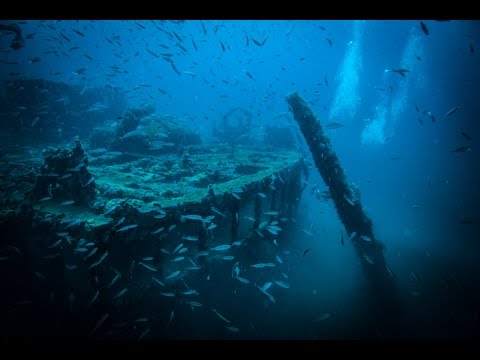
{"points": [[145, 206], [237, 193]]}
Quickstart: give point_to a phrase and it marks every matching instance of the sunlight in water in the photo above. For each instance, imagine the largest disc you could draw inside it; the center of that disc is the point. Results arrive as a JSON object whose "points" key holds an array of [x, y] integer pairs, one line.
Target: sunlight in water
{"points": [[347, 98], [392, 105]]}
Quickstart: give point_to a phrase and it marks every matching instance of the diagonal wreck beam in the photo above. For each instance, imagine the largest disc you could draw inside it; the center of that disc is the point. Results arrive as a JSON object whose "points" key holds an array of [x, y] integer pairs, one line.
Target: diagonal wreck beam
{"points": [[348, 206]]}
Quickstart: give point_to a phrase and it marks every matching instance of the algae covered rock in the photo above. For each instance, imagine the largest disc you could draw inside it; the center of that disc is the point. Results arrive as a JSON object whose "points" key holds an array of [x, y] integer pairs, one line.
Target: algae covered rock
{"points": [[141, 131], [64, 177], [170, 131]]}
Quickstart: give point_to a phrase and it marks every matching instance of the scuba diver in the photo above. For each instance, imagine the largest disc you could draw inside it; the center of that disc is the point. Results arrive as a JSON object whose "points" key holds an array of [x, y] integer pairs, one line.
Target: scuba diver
{"points": [[18, 41]]}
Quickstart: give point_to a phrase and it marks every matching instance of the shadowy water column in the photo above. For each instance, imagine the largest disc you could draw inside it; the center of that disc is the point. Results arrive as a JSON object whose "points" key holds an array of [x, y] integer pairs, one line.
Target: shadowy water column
{"points": [[385, 297]]}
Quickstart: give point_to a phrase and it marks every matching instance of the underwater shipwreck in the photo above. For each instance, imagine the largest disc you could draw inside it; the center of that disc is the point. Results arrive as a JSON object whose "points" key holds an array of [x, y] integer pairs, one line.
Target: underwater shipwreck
{"points": [[238, 180], [133, 213], [106, 227]]}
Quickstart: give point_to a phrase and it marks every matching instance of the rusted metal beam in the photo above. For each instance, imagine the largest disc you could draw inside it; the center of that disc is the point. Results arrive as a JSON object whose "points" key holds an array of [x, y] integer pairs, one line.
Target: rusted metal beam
{"points": [[349, 208]]}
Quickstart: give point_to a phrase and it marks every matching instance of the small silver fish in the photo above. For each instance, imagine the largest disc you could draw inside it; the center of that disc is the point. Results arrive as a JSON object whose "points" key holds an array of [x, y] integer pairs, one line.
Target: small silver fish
{"points": [[236, 270], [192, 217], [208, 218], [365, 238], [148, 266], [193, 268], [99, 261], [272, 231], [143, 334], [73, 223], [115, 278], [233, 328], [158, 281], [221, 316], [94, 297], [173, 275], [262, 265], [282, 284], [92, 179], [158, 230], [172, 316], [369, 259], [212, 226], [270, 297], [322, 317], [267, 285], [99, 323], [221, 247], [215, 210], [91, 253], [177, 248], [274, 227], [241, 279], [190, 292], [110, 210], [127, 227], [194, 303], [57, 243], [120, 294], [236, 196], [452, 111], [121, 221]]}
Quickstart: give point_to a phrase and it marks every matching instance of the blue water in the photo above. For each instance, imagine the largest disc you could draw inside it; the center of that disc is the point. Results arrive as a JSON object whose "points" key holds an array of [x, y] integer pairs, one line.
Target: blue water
{"points": [[413, 187]]}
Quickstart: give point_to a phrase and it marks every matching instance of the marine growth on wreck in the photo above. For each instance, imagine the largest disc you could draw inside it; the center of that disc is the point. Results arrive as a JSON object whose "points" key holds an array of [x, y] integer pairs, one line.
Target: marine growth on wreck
{"points": [[234, 179]]}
